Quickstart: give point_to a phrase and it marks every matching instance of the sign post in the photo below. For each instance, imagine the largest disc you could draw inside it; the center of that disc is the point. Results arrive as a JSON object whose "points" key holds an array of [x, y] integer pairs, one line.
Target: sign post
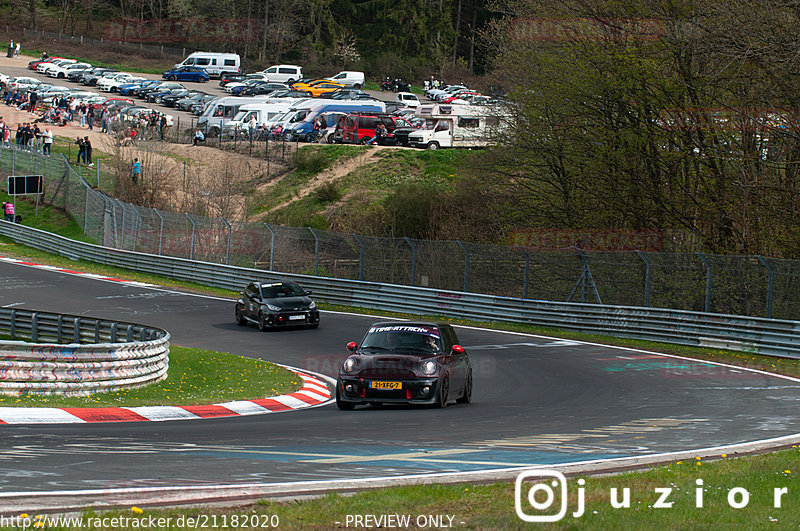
{"points": [[26, 185]]}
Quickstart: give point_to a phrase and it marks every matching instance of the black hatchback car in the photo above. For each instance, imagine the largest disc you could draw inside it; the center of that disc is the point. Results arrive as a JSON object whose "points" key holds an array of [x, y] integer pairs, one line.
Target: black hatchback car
{"points": [[410, 363], [277, 304]]}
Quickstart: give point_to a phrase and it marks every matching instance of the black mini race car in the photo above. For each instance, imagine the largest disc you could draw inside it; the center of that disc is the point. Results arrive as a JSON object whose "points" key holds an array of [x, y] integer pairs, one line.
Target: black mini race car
{"points": [[277, 304], [411, 363]]}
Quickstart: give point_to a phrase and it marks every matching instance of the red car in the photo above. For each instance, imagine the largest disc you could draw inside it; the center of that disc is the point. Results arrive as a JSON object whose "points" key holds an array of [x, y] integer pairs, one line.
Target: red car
{"points": [[460, 95], [33, 64]]}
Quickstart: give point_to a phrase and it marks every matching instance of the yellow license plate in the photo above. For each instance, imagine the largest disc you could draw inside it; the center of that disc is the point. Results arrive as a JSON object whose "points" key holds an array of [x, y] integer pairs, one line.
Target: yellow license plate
{"points": [[386, 385]]}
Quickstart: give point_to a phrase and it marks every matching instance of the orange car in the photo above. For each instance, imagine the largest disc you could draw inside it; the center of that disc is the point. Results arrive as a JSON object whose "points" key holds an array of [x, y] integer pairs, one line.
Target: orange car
{"points": [[305, 84], [323, 88]]}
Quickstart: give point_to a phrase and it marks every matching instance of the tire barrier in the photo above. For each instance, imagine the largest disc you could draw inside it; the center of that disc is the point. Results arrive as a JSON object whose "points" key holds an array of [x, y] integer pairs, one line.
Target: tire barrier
{"points": [[68, 355]]}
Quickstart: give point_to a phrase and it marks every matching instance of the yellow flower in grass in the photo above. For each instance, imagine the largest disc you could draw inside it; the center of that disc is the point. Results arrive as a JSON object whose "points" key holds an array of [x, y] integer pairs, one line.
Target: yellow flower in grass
{"points": [[137, 510]]}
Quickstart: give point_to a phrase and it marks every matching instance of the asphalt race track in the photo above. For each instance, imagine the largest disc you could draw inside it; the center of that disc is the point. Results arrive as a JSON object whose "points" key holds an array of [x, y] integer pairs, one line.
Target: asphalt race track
{"points": [[537, 401]]}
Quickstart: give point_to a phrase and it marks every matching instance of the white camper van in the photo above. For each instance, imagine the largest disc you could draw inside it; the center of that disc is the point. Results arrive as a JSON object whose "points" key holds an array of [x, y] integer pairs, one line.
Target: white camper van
{"points": [[457, 126], [214, 63], [262, 112]]}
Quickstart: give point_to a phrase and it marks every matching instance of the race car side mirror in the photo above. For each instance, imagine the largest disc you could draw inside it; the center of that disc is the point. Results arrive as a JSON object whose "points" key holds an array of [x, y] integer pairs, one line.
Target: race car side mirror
{"points": [[458, 349], [352, 346]]}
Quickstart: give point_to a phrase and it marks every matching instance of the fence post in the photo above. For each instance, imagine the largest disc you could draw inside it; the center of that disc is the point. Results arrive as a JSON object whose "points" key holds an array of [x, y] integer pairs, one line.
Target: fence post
{"points": [[272, 248], [360, 256], [137, 222], [648, 275], [66, 188], [86, 213], [770, 283], [466, 264], [708, 281], [228, 252], [13, 162], [161, 234], [526, 271], [413, 259], [194, 231], [316, 251]]}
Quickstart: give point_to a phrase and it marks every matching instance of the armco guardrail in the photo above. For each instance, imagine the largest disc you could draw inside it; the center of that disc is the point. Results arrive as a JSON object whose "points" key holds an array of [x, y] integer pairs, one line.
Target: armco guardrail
{"points": [[748, 334], [71, 355]]}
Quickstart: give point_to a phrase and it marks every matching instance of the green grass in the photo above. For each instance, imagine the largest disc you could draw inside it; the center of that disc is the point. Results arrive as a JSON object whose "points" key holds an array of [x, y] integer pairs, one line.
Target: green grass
{"points": [[309, 162], [195, 377], [395, 167]]}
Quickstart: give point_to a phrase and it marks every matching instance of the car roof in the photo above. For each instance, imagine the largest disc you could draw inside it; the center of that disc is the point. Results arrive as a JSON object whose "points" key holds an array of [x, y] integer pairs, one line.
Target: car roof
{"points": [[410, 323]]}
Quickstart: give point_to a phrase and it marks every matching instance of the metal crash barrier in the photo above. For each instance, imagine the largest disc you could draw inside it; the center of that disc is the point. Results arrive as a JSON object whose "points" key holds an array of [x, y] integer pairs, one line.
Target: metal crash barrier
{"points": [[68, 355], [773, 337]]}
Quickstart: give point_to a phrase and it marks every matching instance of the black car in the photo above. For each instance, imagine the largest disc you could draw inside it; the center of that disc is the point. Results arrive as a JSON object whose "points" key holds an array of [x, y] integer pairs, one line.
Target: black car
{"points": [[229, 77], [90, 78], [170, 99], [262, 89], [277, 304], [76, 73], [409, 363]]}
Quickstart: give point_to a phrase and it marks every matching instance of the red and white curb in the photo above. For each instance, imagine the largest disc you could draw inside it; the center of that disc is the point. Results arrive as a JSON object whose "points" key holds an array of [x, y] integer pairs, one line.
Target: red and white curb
{"points": [[315, 392], [79, 273]]}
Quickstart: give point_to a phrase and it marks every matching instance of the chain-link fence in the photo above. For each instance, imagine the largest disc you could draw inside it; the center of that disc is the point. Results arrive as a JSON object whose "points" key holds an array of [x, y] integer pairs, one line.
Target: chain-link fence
{"points": [[740, 285]]}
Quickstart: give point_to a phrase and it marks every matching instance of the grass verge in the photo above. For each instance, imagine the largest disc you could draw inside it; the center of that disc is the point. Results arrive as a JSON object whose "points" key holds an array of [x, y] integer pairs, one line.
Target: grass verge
{"points": [[469, 506], [195, 377]]}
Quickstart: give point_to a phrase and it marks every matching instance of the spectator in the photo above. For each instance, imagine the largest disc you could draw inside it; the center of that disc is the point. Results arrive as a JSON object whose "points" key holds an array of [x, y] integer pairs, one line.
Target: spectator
{"points": [[48, 141], [87, 151], [162, 125], [8, 211], [380, 134], [198, 137], [81, 150], [136, 171], [90, 115], [19, 48], [251, 126]]}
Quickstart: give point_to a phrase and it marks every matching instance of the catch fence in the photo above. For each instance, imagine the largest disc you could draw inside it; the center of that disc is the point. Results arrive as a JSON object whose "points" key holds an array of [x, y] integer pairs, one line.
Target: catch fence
{"points": [[726, 284]]}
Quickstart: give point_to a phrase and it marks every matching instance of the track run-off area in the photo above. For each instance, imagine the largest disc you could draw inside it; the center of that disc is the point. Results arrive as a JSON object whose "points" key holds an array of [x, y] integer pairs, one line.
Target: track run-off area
{"points": [[537, 402]]}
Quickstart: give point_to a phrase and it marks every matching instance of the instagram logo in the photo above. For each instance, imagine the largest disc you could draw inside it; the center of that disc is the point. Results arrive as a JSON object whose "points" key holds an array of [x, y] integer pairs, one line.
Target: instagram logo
{"points": [[550, 488]]}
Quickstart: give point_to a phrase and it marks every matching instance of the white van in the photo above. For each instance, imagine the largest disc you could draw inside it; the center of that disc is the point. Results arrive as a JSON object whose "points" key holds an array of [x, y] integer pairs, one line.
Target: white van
{"points": [[458, 126], [222, 110], [284, 73], [214, 63], [350, 79], [262, 112]]}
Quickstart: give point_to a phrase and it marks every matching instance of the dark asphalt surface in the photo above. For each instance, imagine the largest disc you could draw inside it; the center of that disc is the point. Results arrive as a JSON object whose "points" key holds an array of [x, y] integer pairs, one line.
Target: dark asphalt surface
{"points": [[536, 401]]}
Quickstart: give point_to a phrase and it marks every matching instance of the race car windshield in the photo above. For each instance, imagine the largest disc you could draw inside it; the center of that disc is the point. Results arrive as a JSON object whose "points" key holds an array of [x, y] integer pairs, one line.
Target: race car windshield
{"points": [[400, 338], [274, 291]]}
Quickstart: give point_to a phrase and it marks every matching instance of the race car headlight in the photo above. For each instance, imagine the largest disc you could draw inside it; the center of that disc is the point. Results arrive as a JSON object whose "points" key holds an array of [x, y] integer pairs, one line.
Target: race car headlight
{"points": [[312, 305], [350, 364], [429, 367], [273, 308]]}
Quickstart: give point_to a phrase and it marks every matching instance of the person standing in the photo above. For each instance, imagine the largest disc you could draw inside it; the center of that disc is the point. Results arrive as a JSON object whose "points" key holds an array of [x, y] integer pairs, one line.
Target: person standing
{"points": [[90, 115], [8, 211], [87, 151], [81, 150], [136, 171], [163, 124], [19, 48], [32, 100], [48, 141]]}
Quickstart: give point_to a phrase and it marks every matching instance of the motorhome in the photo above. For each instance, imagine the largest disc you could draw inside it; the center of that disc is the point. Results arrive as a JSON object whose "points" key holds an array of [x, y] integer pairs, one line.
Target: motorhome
{"points": [[458, 126], [301, 129], [223, 110], [215, 64]]}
